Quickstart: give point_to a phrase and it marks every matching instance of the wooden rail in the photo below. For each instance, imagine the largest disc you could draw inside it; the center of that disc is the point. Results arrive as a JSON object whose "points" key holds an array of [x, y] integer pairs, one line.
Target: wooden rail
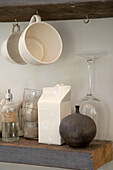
{"points": [[22, 10]]}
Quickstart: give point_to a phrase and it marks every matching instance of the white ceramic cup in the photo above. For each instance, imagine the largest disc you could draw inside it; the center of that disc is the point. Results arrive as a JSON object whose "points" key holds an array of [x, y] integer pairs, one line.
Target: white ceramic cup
{"points": [[9, 47], [40, 43]]}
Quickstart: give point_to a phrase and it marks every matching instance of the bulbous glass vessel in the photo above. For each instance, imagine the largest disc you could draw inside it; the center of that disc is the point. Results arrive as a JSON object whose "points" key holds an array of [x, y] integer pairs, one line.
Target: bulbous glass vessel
{"points": [[95, 109]]}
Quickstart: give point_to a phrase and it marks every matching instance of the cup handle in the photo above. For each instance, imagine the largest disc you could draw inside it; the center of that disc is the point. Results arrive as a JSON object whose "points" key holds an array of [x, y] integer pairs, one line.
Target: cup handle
{"points": [[15, 26], [35, 18]]}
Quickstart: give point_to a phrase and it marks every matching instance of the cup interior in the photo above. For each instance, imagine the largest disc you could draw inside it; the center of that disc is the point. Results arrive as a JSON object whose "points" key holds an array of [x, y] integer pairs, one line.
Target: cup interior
{"points": [[35, 48], [43, 42], [12, 48]]}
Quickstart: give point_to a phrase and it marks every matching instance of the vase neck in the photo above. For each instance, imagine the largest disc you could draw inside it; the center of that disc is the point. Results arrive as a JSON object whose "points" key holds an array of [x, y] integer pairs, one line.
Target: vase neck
{"points": [[77, 108]]}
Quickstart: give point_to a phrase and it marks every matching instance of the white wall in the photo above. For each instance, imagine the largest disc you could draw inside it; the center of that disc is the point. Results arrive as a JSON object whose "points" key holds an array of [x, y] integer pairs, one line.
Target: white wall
{"points": [[71, 69]]}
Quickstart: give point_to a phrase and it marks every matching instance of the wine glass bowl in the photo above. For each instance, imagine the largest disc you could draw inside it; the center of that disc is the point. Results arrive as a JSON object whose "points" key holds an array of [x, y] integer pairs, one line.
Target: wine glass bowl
{"points": [[94, 108]]}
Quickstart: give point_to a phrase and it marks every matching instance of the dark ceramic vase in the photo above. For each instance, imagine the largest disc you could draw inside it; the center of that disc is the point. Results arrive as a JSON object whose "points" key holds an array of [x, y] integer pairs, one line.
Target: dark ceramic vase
{"points": [[77, 130]]}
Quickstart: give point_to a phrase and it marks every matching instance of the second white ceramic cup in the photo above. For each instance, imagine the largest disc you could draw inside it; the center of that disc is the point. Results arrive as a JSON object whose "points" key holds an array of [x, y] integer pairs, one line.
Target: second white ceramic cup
{"points": [[40, 43], [9, 47]]}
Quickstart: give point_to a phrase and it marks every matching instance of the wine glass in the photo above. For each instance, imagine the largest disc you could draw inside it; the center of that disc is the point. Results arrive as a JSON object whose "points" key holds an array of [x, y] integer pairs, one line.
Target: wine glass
{"points": [[92, 106]]}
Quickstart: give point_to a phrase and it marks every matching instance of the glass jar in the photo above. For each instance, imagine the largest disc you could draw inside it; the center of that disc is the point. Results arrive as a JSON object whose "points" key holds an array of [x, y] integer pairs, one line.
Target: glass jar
{"points": [[30, 113]]}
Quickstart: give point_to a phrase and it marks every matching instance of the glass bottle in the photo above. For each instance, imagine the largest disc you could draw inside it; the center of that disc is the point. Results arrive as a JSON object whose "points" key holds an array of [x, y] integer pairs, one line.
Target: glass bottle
{"points": [[2, 102], [10, 125]]}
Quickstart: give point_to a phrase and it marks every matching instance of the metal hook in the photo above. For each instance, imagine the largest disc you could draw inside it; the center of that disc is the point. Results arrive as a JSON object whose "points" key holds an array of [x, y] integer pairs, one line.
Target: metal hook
{"points": [[37, 12], [16, 21], [15, 25], [86, 21]]}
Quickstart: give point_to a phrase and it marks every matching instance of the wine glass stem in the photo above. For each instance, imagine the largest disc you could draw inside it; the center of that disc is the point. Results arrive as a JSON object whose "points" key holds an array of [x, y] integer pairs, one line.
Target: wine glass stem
{"points": [[90, 64]]}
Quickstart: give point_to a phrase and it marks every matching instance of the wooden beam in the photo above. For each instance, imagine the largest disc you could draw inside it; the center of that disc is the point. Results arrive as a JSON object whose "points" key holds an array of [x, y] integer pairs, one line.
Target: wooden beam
{"points": [[22, 10], [31, 152]]}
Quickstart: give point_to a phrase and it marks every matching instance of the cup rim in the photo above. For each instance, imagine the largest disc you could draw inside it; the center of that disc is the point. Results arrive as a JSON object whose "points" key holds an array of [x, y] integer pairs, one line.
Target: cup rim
{"points": [[38, 61], [8, 57]]}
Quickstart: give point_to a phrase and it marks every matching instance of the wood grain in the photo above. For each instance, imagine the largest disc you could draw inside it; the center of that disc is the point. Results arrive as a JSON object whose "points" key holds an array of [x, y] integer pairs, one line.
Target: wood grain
{"points": [[102, 155], [31, 152], [54, 9]]}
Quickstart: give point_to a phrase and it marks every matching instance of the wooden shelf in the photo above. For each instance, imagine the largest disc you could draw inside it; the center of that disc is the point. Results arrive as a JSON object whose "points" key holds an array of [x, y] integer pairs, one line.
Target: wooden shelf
{"points": [[22, 10], [30, 152]]}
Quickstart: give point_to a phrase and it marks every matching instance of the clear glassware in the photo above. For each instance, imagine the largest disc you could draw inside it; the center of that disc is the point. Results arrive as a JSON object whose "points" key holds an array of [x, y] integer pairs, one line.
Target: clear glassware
{"points": [[10, 124], [21, 121], [30, 113], [2, 102], [92, 106]]}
